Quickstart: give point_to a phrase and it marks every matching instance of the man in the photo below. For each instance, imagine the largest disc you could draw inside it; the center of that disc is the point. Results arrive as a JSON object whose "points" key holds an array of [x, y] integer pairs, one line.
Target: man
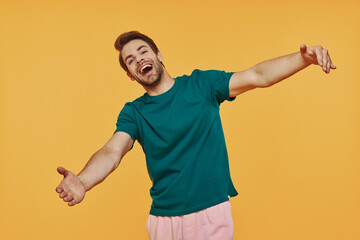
{"points": [[178, 125]]}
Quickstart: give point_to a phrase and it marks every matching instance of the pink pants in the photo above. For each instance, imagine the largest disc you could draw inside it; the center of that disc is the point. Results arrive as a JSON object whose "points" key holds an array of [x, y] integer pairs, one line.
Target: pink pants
{"points": [[213, 223]]}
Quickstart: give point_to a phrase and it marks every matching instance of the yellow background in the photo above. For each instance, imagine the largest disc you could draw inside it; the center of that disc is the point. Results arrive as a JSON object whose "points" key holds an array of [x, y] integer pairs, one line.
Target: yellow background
{"points": [[294, 148]]}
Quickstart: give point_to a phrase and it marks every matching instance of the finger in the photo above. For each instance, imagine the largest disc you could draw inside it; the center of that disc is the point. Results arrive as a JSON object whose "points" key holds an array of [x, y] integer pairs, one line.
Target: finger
{"points": [[68, 198], [72, 203], [328, 67], [310, 52], [319, 56], [325, 57], [63, 194], [332, 66], [62, 171], [59, 189]]}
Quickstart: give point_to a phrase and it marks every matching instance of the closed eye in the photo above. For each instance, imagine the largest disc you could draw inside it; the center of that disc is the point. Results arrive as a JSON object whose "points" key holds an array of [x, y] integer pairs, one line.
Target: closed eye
{"points": [[143, 52]]}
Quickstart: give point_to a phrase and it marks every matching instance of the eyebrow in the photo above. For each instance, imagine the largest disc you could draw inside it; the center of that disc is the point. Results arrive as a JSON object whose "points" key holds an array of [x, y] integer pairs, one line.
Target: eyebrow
{"points": [[138, 49]]}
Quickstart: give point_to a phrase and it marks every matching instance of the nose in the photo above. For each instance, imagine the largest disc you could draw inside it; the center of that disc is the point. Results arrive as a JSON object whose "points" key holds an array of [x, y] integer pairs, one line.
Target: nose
{"points": [[139, 59]]}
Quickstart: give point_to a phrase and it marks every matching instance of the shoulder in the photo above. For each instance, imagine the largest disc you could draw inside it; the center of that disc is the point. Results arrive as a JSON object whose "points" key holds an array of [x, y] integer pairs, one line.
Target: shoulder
{"points": [[136, 102], [210, 73], [129, 108], [196, 73]]}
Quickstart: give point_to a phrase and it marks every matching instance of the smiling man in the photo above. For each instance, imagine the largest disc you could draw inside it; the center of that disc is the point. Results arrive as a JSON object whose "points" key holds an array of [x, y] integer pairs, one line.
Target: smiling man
{"points": [[177, 123], [150, 71]]}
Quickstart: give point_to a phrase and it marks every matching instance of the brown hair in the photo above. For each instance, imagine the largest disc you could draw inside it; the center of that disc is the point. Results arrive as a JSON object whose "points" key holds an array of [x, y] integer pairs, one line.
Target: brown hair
{"points": [[127, 37]]}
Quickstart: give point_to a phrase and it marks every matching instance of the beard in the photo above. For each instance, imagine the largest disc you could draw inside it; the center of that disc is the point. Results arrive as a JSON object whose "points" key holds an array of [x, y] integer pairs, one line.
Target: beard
{"points": [[154, 78]]}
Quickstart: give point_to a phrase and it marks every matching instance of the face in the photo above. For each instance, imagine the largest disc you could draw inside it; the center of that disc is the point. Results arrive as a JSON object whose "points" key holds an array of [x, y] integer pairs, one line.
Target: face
{"points": [[143, 64]]}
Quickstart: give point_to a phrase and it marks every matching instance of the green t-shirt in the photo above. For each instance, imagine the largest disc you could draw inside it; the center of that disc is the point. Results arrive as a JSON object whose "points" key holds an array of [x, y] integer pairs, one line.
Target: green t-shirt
{"points": [[181, 135]]}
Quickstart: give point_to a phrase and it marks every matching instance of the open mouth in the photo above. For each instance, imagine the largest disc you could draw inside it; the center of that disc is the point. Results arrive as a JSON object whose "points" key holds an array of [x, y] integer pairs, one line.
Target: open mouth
{"points": [[145, 69]]}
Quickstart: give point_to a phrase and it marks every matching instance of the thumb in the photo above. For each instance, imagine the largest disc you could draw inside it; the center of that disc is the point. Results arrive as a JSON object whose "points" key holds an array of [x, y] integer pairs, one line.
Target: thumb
{"points": [[303, 48], [62, 171]]}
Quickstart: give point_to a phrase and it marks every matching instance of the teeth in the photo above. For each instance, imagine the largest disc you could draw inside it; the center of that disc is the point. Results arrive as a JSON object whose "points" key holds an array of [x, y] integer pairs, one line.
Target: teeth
{"points": [[142, 69]]}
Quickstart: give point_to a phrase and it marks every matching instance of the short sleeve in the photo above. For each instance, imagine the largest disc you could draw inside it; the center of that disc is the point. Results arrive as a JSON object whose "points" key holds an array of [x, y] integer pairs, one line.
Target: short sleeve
{"points": [[126, 122], [216, 83]]}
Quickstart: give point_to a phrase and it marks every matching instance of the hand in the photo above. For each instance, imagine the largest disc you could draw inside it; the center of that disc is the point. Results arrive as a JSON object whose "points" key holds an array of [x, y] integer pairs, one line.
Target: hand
{"points": [[318, 56], [71, 189]]}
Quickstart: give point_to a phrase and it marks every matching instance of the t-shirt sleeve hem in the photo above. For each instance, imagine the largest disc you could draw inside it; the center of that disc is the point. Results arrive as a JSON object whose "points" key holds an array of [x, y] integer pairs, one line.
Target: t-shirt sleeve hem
{"points": [[228, 98]]}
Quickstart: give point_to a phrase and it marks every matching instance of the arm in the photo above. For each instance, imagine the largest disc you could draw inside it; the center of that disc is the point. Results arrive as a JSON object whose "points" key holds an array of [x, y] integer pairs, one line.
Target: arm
{"points": [[267, 73], [72, 188]]}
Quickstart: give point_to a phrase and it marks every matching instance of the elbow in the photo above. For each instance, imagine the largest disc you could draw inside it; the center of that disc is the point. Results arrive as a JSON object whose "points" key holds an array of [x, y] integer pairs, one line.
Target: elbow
{"points": [[117, 159], [259, 78], [112, 155], [116, 164], [261, 82]]}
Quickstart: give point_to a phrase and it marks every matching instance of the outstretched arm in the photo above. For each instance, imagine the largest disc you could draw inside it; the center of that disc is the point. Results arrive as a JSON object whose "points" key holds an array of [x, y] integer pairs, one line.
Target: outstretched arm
{"points": [[73, 187], [267, 73]]}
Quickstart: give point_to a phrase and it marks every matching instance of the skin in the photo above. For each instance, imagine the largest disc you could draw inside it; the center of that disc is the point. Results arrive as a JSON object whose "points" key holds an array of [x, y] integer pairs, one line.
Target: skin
{"points": [[73, 187], [270, 72], [136, 53]]}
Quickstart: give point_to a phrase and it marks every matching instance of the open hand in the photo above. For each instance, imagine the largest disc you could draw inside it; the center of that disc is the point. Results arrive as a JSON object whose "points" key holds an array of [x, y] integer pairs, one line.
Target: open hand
{"points": [[71, 189], [317, 55]]}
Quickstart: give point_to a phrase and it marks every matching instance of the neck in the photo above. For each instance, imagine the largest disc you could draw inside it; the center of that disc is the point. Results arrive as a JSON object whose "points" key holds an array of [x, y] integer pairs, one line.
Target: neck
{"points": [[166, 82]]}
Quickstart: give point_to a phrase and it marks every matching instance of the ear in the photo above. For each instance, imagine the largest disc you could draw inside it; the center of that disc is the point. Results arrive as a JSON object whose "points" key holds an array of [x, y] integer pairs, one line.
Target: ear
{"points": [[160, 57], [130, 76]]}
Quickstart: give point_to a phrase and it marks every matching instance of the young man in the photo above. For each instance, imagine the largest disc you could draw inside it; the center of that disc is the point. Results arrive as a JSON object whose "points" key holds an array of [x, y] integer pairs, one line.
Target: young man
{"points": [[178, 125]]}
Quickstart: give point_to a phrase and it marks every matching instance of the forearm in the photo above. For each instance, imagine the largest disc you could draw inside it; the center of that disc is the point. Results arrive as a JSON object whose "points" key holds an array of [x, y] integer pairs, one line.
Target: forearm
{"points": [[275, 70], [100, 165]]}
